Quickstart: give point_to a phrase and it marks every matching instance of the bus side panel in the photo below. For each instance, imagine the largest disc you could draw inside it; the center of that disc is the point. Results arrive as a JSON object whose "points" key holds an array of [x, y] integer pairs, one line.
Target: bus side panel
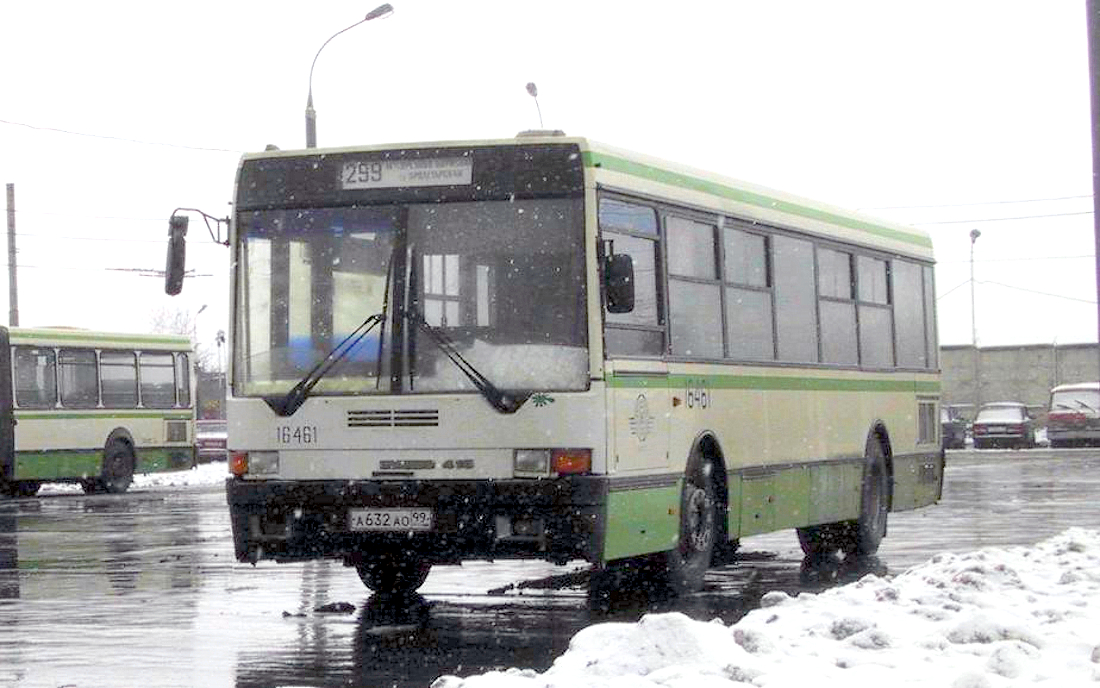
{"points": [[7, 418], [60, 463], [918, 480], [835, 493], [642, 521]]}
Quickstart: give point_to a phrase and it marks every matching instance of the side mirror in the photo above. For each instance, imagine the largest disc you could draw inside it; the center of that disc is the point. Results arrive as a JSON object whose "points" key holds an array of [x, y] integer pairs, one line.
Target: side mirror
{"points": [[619, 282], [177, 254]]}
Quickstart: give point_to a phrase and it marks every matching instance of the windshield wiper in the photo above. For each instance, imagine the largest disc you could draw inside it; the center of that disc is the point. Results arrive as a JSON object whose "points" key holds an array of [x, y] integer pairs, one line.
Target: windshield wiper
{"points": [[1084, 405], [501, 401], [298, 393]]}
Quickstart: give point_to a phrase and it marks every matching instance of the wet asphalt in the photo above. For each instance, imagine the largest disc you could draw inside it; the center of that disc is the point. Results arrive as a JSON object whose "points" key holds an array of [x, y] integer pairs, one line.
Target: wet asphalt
{"points": [[142, 588]]}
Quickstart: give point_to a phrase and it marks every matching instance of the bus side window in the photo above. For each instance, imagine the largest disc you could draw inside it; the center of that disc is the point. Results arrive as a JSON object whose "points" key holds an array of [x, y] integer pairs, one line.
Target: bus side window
{"points": [[632, 230], [35, 377]]}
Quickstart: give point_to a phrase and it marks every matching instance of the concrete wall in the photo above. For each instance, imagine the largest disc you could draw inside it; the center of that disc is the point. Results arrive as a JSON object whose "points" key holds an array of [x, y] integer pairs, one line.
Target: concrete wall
{"points": [[1014, 373]]}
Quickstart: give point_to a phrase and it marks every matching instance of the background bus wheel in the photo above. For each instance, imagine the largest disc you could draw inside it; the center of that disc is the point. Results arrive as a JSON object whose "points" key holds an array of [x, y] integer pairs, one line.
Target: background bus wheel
{"points": [[118, 468], [686, 564], [866, 534], [394, 575]]}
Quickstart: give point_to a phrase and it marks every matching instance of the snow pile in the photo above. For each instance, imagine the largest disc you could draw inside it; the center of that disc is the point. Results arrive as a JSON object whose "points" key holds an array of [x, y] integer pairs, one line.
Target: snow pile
{"points": [[997, 617], [213, 473]]}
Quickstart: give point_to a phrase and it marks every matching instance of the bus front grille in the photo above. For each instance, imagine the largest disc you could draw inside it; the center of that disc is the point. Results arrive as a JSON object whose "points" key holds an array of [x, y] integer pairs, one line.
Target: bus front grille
{"points": [[417, 418]]}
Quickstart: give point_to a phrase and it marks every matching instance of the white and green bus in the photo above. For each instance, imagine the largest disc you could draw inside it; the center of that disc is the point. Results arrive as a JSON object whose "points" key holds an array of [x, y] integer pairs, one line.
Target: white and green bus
{"points": [[544, 347], [92, 408]]}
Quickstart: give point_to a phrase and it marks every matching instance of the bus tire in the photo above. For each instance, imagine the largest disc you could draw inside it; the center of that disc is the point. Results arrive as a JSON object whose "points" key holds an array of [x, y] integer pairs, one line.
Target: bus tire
{"points": [[389, 574], [822, 541], [686, 565], [865, 535], [118, 468]]}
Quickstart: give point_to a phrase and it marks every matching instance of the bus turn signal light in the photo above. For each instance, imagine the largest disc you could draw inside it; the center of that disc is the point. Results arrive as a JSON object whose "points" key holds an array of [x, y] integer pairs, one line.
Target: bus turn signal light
{"points": [[566, 461], [238, 463]]}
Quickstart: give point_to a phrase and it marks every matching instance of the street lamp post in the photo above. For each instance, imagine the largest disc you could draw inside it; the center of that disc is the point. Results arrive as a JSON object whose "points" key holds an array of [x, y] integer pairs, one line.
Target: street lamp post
{"points": [[311, 114], [974, 234]]}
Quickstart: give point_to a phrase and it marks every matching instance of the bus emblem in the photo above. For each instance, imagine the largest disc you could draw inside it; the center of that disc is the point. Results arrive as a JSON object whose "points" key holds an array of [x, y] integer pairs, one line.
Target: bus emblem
{"points": [[641, 423]]}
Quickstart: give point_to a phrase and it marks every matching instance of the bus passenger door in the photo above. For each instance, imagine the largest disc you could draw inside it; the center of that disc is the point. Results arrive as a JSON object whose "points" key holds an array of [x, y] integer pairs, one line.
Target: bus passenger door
{"points": [[641, 405]]}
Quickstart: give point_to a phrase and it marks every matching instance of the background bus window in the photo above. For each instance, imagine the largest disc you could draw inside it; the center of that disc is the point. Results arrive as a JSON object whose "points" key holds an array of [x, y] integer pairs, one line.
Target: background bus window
{"points": [[77, 368], [694, 297], [876, 323], [837, 307], [183, 380], [118, 375], [795, 300], [909, 314], [158, 385], [35, 377], [749, 333]]}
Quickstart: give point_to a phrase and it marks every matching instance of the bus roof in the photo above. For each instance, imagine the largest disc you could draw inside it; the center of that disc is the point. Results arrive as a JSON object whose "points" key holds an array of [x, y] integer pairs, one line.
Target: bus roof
{"points": [[627, 171], [71, 336]]}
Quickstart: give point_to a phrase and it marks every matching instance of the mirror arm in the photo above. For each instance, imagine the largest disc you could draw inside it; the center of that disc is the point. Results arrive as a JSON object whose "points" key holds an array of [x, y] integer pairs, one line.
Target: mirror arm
{"points": [[216, 230]]}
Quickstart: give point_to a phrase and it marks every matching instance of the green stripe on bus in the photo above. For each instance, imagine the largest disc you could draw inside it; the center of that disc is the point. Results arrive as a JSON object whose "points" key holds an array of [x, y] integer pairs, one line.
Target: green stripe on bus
{"points": [[74, 414], [656, 174], [774, 383], [69, 464], [17, 337], [51, 465]]}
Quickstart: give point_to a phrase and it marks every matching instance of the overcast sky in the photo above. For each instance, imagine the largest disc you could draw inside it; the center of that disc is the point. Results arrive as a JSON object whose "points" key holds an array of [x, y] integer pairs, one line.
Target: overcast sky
{"points": [[945, 114]]}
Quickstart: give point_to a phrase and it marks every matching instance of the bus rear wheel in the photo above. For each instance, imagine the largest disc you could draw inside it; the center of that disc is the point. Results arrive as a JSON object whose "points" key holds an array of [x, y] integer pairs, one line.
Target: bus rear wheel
{"points": [[394, 574], [865, 535], [686, 565], [820, 542]]}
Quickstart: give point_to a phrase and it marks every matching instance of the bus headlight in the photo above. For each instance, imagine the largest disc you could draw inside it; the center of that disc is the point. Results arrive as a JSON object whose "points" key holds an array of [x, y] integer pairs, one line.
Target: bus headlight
{"points": [[532, 462], [263, 462]]}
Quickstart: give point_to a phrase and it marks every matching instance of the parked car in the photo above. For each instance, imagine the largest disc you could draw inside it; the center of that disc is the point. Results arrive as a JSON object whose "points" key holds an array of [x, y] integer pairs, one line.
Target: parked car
{"points": [[1074, 415], [1005, 424], [210, 439], [952, 429]]}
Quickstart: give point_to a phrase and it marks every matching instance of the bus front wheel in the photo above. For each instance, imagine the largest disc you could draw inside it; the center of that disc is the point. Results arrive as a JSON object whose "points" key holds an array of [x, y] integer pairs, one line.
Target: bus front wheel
{"points": [[389, 574], [686, 565], [117, 472]]}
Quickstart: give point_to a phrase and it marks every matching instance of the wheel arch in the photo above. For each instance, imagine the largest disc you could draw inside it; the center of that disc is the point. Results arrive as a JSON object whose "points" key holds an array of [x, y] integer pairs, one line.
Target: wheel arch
{"points": [[879, 433]]}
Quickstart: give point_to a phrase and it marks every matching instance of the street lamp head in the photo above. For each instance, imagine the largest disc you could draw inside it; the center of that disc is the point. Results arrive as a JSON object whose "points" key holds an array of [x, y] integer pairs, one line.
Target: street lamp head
{"points": [[380, 11], [974, 234]]}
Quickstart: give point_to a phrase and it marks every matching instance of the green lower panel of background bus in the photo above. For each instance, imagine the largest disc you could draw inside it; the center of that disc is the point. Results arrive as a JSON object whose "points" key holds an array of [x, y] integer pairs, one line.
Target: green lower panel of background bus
{"points": [[640, 521], [60, 464]]}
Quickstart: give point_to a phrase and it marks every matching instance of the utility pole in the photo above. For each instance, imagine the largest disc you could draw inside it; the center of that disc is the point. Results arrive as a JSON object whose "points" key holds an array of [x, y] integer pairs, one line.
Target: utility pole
{"points": [[13, 292], [974, 234]]}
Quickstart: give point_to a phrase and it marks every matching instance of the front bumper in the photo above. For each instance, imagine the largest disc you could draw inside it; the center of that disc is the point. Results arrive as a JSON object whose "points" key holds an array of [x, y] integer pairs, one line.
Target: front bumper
{"points": [[301, 520]]}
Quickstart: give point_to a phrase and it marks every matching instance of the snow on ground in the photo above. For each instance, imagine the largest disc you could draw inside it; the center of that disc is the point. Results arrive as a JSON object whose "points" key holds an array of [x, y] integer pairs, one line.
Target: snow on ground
{"points": [[992, 618], [213, 473]]}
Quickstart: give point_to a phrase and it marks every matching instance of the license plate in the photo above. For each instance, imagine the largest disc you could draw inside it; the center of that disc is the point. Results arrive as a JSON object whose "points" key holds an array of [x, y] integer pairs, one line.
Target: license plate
{"points": [[996, 428], [390, 520]]}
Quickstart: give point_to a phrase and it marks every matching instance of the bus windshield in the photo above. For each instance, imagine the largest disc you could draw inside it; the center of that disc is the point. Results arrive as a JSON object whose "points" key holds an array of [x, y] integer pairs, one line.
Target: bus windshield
{"points": [[503, 279]]}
